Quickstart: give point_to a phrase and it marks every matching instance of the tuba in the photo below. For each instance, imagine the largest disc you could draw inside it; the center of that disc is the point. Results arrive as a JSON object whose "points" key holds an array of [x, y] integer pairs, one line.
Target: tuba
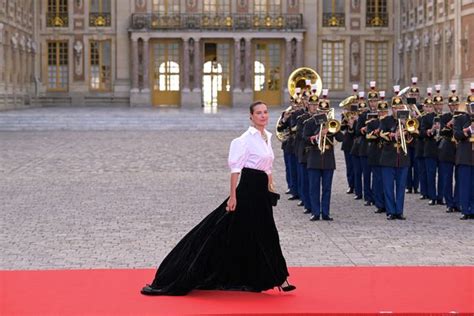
{"points": [[297, 79]]}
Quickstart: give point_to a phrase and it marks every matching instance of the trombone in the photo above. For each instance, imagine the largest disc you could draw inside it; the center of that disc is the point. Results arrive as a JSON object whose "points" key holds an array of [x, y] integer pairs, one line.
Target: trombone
{"points": [[333, 126]]}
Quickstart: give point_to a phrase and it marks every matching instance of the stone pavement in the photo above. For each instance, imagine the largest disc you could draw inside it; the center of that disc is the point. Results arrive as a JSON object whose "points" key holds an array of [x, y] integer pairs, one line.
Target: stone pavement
{"points": [[75, 196]]}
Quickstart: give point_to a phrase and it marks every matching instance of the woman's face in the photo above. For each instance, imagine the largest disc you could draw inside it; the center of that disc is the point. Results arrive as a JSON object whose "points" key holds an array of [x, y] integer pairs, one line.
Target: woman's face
{"points": [[260, 115]]}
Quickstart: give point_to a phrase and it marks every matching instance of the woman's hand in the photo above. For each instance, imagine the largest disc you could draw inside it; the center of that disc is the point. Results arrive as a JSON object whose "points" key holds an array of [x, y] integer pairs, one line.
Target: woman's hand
{"points": [[231, 204]]}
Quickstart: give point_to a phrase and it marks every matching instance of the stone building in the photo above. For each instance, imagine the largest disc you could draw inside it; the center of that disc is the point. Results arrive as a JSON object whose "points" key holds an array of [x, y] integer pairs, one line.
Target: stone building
{"points": [[211, 53]]}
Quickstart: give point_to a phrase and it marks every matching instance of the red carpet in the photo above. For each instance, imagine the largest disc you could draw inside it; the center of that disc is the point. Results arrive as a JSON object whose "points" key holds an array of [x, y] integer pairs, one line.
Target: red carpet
{"points": [[347, 290]]}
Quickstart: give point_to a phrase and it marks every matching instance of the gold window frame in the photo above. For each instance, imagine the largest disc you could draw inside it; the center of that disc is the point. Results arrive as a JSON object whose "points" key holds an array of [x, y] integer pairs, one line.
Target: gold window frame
{"points": [[104, 75]]}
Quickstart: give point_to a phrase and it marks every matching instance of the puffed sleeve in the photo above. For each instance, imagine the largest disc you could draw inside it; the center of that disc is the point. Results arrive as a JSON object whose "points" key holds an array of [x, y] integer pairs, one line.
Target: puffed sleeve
{"points": [[237, 155]]}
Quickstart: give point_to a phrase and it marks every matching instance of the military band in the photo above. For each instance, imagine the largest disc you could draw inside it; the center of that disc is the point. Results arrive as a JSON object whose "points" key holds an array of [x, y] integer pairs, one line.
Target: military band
{"points": [[408, 145]]}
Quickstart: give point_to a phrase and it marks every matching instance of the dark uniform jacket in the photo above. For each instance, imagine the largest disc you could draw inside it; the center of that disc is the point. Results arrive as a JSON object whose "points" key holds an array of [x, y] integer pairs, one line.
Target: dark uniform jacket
{"points": [[301, 150], [291, 147], [464, 152], [363, 145], [355, 150], [282, 127], [392, 154], [430, 149], [348, 139], [447, 145], [374, 147], [316, 160]]}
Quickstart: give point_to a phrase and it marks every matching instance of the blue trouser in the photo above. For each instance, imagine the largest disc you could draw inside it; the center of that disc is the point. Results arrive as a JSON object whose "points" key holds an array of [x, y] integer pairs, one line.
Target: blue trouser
{"points": [[412, 178], [430, 164], [304, 185], [446, 172], [394, 183], [366, 171], [440, 183], [299, 171], [422, 175], [349, 169], [320, 180], [377, 184], [466, 189], [294, 174], [357, 175], [286, 158], [456, 187]]}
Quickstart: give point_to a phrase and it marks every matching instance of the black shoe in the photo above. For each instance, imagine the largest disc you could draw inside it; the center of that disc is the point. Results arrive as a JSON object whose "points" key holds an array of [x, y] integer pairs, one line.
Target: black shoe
{"points": [[314, 218], [327, 218], [450, 210], [440, 202], [293, 197], [300, 203], [391, 217], [464, 217], [306, 211], [432, 202], [287, 287], [423, 197], [350, 191], [368, 203], [380, 211], [288, 191], [408, 191], [456, 209], [401, 217], [415, 191], [148, 290], [358, 197]]}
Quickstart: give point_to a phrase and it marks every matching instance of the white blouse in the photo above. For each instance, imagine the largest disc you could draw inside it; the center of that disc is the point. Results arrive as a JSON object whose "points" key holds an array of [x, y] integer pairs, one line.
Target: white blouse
{"points": [[251, 151]]}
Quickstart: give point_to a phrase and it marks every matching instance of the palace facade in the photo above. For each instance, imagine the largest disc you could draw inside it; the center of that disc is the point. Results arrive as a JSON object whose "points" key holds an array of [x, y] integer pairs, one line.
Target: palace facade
{"points": [[222, 53]]}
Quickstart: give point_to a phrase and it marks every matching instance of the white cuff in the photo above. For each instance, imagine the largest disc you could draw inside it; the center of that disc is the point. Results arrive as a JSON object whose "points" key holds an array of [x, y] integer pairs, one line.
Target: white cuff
{"points": [[235, 170]]}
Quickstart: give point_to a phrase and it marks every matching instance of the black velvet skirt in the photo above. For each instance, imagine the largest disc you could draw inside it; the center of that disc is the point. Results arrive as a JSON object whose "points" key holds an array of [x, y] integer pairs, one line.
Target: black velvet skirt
{"points": [[237, 250]]}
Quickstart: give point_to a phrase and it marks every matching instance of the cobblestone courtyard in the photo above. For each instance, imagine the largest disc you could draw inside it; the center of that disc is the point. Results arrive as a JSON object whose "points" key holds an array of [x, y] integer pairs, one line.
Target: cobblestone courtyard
{"points": [[121, 198]]}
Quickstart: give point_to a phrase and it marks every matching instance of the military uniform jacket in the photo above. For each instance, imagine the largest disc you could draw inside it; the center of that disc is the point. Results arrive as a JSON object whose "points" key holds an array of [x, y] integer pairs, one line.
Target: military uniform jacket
{"points": [[301, 152], [348, 138], [292, 142], [374, 147], [392, 154], [363, 146], [447, 146], [284, 125], [465, 149], [316, 160], [430, 148]]}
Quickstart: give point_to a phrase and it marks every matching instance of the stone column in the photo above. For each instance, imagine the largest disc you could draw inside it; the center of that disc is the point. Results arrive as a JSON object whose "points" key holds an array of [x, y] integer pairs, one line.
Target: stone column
{"points": [[288, 65], [134, 54], [237, 83], [185, 69], [248, 65], [197, 65], [299, 52], [146, 65]]}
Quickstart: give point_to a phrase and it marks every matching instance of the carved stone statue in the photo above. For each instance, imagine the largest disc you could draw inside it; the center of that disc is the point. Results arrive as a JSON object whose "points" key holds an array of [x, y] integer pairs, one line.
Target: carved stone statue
{"points": [[416, 42], [426, 39], [436, 38], [400, 45], [355, 58], [78, 47], [448, 35], [407, 44]]}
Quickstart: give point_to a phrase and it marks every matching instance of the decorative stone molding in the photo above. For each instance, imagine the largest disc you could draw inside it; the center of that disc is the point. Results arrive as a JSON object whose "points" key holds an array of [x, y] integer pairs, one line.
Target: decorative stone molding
{"points": [[22, 42], [292, 4], [355, 59], [400, 45], [14, 41], [78, 51], [140, 4], [437, 38], [426, 39], [448, 35], [407, 44], [242, 3], [416, 42], [78, 4], [191, 3], [355, 4]]}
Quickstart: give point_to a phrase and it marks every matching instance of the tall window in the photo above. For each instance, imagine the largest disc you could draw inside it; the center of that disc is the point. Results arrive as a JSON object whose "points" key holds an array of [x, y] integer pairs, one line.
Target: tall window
{"points": [[57, 66], [57, 15], [216, 6], [267, 7], [267, 67], [166, 73], [166, 7], [333, 64], [100, 13], [100, 65], [377, 13], [376, 63], [333, 13]]}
